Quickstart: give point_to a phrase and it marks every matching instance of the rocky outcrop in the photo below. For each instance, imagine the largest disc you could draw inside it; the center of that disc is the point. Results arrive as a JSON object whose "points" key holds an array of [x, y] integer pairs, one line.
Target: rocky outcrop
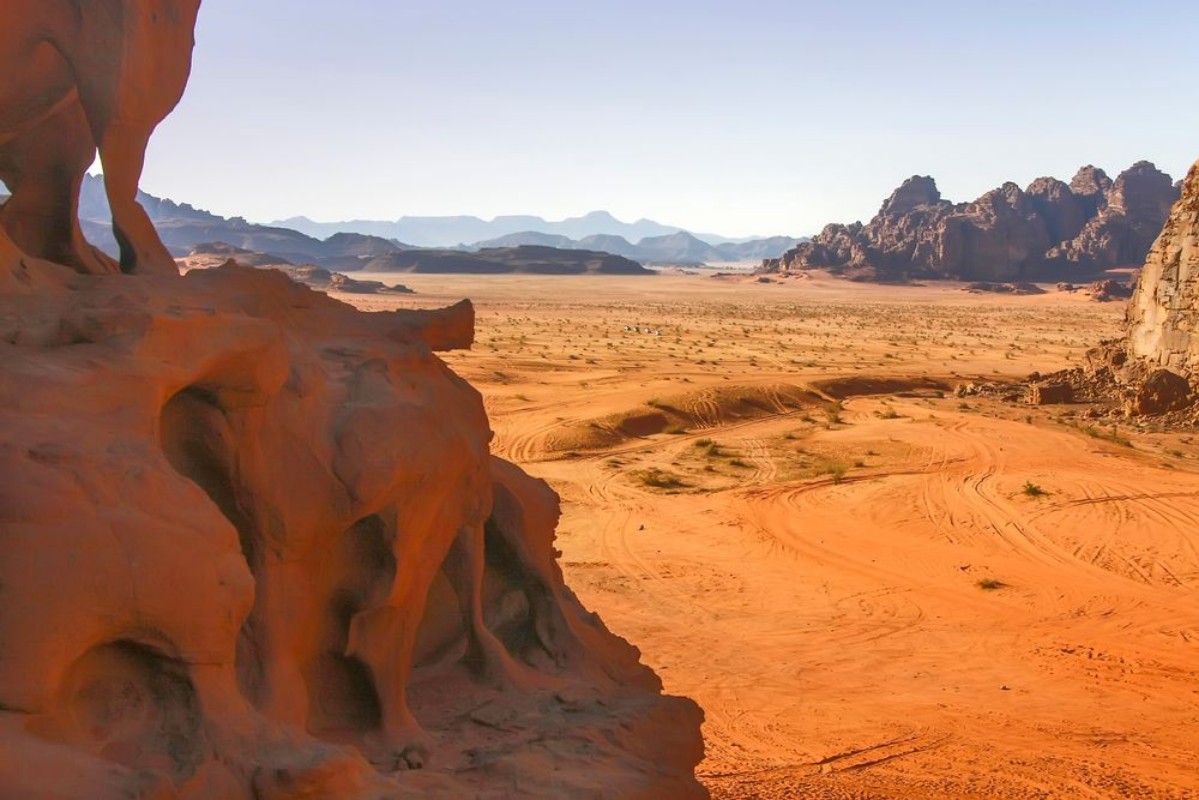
{"points": [[1126, 224], [1163, 315], [323, 280], [1091, 185], [237, 518], [1065, 213], [1153, 372], [1046, 231], [919, 191], [216, 254], [253, 545], [1107, 290], [82, 78]]}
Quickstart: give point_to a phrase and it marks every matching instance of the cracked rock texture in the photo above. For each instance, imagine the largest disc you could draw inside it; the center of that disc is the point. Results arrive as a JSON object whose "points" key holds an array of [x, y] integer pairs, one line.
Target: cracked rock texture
{"points": [[1163, 315]]}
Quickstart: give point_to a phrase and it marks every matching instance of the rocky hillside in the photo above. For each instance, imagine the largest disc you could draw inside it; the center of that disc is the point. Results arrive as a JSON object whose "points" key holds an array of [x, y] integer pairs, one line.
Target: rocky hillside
{"points": [[453, 231], [1164, 312], [1050, 230]]}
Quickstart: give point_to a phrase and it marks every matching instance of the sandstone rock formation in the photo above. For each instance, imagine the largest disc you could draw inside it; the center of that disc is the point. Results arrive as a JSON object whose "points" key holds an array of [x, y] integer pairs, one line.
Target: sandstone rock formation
{"points": [[81, 77], [1155, 369], [1049, 230], [253, 544], [1128, 220], [238, 515], [1164, 312], [1107, 290]]}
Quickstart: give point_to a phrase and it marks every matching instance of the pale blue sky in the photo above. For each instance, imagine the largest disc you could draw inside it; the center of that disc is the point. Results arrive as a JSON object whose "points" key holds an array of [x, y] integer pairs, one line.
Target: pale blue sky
{"points": [[739, 118]]}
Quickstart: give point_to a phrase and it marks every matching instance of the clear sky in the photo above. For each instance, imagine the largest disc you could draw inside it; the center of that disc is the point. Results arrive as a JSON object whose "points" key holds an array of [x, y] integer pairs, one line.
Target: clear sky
{"points": [[736, 117]]}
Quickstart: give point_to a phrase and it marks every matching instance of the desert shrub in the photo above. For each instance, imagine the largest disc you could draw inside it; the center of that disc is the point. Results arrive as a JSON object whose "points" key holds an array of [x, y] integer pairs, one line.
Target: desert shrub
{"points": [[660, 479]]}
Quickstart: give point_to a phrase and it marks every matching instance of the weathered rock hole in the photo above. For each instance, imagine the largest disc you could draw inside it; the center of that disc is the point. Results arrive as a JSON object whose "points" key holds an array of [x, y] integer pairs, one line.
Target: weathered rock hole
{"points": [[441, 634], [509, 594], [133, 706], [341, 690], [509, 602], [198, 441]]}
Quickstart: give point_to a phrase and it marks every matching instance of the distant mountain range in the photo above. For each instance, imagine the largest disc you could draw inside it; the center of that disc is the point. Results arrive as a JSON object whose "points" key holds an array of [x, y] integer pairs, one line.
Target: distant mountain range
{"points": [[679, 248], [472, 231], [348, 246]]}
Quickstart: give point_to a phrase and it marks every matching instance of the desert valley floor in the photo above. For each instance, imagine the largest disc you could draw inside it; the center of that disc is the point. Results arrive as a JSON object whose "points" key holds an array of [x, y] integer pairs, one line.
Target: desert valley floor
{"points": [[873, 587]]}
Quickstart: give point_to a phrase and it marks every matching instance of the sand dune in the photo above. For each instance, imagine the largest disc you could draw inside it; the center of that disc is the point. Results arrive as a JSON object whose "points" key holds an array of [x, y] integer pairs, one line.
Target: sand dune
{"points": [[874, 588]]}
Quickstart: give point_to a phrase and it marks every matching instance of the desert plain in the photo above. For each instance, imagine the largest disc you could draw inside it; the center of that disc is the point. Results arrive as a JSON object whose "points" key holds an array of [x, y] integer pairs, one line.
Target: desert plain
{"points": [[874, 588]]}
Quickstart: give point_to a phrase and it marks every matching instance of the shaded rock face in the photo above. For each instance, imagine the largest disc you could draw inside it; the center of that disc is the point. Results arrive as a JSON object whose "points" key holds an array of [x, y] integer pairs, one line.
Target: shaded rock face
{"points": [[916, 192], [1091, 185], [1064, 212], [1049, 230], [253, 545], [1163, 314], [1126, 224]]}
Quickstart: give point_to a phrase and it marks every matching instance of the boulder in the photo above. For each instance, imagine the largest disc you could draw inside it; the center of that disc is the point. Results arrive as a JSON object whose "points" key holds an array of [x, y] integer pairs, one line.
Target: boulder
{"points": [[1160, 392], [1042, 394], [1107, 290]]}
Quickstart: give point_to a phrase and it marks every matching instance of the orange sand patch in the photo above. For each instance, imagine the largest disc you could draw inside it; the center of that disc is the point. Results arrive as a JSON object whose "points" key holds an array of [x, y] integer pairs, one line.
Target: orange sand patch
{"points": [[846, 567]]}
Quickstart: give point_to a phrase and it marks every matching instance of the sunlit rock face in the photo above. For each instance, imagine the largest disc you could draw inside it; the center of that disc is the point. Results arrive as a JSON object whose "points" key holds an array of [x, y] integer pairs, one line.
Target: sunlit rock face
{"points": [[252, 541], [1163, 316]]}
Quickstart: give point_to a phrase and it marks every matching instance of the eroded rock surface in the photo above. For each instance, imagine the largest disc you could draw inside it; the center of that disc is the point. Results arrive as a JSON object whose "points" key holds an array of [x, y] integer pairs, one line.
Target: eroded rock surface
{"points": [[1164, 312], [1046, 231], [252, 543], [81, 78]]}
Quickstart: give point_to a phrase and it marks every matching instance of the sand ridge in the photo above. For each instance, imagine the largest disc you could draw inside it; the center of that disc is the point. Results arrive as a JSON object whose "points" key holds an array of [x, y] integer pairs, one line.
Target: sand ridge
{"points": [[873, 588]]}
